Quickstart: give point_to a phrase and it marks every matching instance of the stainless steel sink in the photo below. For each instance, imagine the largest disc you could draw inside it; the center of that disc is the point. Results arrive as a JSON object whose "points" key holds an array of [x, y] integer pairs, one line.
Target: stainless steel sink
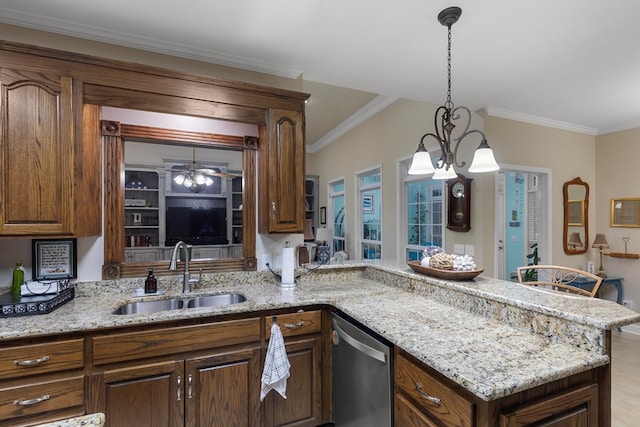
{"points": [[180, 303], [150, 306], [216, 300]]}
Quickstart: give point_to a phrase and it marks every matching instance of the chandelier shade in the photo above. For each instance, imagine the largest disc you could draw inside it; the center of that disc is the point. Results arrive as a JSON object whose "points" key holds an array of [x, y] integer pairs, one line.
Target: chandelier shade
{"points": [[448, 142]]}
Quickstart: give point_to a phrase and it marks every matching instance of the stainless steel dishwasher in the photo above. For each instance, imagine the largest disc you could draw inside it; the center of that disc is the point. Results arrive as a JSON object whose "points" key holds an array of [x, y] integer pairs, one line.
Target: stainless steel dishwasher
{"points": [[361, 373]]}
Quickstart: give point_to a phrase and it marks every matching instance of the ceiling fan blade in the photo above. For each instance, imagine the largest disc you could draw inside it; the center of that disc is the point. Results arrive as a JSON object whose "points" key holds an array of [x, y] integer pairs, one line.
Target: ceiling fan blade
{"points": [[212, 172]]}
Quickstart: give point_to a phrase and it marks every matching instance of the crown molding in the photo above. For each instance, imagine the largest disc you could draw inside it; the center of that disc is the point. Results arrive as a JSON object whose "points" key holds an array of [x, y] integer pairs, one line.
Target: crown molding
{"points": [[66, 28], [372, 108], [535, 120]]}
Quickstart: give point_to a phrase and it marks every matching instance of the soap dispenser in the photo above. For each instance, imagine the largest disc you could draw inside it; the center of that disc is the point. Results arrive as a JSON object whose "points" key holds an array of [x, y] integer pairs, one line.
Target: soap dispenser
{"points": [[151, 284]]}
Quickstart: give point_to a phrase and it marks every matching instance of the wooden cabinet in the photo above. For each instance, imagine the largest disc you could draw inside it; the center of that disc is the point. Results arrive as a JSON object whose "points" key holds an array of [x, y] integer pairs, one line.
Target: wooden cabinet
{"points": [[45, 167], [41, 382], [223, 389], [281, 193], [194, 375], [303, 341], [578, 408], [420, 395]]}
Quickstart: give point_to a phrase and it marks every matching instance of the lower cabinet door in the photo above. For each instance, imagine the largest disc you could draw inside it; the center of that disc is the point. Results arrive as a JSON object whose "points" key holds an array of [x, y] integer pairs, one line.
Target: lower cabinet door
{"points": [[150, 395], [578, 408], [224, 389], [303, 405]]}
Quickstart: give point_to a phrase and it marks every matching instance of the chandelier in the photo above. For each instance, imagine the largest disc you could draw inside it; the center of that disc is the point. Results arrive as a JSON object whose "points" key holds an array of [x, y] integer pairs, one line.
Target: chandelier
{"points": [[483, 159], [193, 176]]}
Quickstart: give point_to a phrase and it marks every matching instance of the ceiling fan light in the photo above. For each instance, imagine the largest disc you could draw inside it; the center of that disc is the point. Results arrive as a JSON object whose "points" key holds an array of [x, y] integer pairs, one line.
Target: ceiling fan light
{"points": [[179, 179], [188, 182], [483, 159], [200, 179], [208, 181]]}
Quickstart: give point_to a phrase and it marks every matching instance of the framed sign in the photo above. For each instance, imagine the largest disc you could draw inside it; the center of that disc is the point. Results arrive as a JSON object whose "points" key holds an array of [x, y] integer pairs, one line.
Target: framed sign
{"points": [[625, 212], [323, 215], [54, 259]]}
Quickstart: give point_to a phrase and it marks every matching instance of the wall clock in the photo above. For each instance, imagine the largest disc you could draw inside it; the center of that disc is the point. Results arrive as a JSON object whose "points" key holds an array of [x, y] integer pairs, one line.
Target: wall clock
{"points": [[459, 203]]}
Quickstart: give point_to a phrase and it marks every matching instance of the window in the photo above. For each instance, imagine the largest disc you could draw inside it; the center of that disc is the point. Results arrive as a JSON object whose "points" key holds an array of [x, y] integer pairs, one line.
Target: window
{"points": [[336, 220], [422, 216], [370, 208]]}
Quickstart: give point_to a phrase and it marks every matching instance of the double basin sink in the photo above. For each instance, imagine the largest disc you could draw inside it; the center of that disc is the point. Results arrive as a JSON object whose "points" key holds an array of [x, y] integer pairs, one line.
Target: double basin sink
{"points": [[180, 303]]}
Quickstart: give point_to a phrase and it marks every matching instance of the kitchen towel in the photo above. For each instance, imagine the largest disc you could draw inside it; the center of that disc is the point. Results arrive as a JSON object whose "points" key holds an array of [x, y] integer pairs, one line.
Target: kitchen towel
{"points": [[276, 365]]}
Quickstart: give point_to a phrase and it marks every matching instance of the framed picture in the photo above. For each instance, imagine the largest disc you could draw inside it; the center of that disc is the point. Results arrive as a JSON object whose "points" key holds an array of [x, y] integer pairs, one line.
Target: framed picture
{"points": [[323, 215], [54, 259], [576, 212], [367, 203], [625, 212]]}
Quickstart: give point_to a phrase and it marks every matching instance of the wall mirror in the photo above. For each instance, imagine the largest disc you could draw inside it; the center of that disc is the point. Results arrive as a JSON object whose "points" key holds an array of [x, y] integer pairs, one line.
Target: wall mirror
{"points": [[144, 210], [625, 212], [575, 237]]}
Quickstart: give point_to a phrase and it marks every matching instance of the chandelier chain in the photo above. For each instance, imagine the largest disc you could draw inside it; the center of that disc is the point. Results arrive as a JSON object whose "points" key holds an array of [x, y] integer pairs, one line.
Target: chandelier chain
{"points": [[449, 104]]}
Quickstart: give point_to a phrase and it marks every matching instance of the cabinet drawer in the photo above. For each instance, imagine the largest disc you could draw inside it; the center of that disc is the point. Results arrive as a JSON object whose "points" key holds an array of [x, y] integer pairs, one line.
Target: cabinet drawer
{"points": [[407, 415], [32, 359], [300, 323], [137, 345], [432, 396], [41, 397]]}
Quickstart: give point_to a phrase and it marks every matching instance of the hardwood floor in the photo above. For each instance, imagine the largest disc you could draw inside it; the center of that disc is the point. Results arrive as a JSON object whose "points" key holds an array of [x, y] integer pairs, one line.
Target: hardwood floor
{"points": [[625, 380]]}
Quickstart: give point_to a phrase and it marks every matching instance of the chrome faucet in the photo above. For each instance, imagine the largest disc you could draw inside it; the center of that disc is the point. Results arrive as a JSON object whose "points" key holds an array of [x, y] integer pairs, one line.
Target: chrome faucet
{"points": [[186, 285]]}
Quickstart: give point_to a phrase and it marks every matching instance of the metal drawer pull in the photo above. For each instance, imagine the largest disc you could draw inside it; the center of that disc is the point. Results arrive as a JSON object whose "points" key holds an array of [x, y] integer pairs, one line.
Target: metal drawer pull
{"points": [[294, 325], [179, 386], [31, 362], [189, 381], [29, 402], [427, 395]]}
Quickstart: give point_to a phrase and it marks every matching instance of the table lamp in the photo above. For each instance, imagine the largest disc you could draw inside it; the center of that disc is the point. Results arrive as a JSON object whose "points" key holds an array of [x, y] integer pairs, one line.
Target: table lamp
{"points": [[574, 241], [600, 242], [324, 237]]}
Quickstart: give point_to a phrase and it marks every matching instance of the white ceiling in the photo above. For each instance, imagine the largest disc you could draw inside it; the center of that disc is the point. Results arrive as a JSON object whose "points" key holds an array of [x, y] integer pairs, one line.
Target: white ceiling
{"points": [[568, 62]]}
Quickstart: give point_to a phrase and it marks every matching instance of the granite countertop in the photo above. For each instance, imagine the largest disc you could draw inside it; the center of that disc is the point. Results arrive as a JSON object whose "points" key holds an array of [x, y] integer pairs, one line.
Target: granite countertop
{"points": [[91, 420], [492, 337]]}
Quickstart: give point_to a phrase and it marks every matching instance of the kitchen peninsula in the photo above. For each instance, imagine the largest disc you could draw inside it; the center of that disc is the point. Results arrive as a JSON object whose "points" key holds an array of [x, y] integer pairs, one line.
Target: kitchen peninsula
{"points": [[499, 346]]}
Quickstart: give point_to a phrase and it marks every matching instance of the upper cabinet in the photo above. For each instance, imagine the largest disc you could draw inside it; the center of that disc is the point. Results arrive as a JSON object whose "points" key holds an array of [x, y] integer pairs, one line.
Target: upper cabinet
{"points": [[282, 174], [37, 153], [41, 160]]}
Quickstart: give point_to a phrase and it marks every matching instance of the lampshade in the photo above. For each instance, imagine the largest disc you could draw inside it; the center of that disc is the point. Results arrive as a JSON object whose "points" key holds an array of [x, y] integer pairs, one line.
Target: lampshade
{"points": [[600, 241], [575, 240], [324, 234], [483, 159], [444, 173], [421, 163], [308, 230]]}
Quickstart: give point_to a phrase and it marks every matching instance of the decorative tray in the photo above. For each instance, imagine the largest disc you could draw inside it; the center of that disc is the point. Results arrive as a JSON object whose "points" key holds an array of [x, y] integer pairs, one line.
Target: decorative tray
{"points": [[444, 274], [34, 304]]}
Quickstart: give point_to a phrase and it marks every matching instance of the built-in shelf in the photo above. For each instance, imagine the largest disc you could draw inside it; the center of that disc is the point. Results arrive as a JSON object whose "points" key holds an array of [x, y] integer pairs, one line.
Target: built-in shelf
{"points": [[623, 255]]}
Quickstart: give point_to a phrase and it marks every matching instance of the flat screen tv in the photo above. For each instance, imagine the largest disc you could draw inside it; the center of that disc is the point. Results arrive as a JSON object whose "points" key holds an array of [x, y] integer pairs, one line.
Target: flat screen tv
{"points": [[196, 221]]}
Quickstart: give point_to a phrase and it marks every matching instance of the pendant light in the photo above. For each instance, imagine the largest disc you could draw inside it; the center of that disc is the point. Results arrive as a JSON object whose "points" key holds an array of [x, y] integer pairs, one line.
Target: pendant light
{"points": [[483, 158]]}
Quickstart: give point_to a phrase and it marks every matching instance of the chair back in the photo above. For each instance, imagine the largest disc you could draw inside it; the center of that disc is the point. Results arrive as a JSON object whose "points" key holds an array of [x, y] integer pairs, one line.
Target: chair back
{"points": [[559, 278]]}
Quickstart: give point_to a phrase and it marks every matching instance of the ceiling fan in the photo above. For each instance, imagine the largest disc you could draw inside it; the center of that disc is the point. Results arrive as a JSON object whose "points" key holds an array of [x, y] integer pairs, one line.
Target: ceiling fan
{"points": [[191, 176]]}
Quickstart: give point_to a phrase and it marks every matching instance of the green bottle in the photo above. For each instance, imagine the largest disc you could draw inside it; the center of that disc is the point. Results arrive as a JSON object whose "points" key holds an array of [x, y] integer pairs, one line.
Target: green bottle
{"points": [[18, 279]]}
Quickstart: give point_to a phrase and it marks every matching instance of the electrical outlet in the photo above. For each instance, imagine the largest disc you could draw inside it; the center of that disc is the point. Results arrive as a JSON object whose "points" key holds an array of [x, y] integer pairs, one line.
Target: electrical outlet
{"points": [[627, 303], [265, 259], [469, 250], [458, 249]]}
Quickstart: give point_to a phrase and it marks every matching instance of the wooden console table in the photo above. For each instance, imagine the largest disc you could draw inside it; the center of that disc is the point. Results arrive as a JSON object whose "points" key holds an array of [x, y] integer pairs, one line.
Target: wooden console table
{"points": [[608, 281]]}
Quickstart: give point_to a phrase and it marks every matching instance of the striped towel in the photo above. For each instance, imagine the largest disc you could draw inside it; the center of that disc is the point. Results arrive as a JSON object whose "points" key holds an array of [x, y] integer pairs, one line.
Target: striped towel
{"points": [[276, 365]]}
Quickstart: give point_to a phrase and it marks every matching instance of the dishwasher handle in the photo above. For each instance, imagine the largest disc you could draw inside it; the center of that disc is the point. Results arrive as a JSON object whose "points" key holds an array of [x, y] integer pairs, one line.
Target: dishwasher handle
{"points": [[369, 351]]}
